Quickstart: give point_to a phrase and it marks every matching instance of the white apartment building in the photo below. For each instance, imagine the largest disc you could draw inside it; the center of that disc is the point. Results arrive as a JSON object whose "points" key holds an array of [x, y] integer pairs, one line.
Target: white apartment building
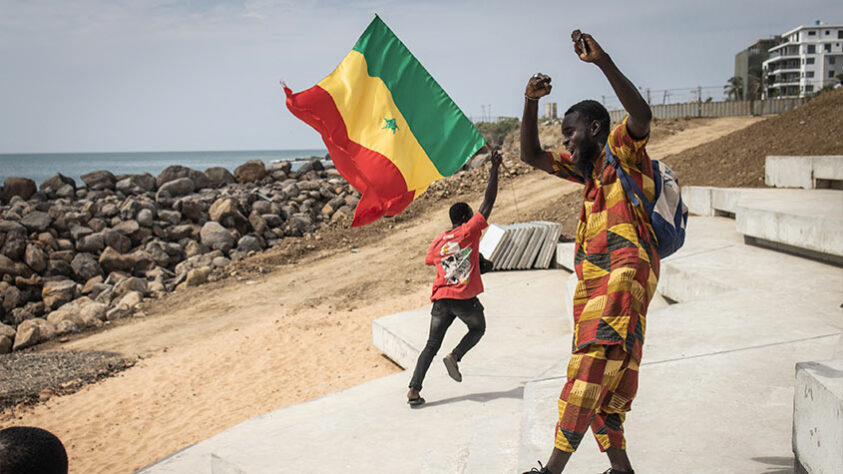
{"points": [[808, 59]]}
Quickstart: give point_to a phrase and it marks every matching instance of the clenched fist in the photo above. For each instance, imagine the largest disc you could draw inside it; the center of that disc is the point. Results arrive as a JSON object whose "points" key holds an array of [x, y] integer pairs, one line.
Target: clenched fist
{"points": [[586, 48], [538, 86]]}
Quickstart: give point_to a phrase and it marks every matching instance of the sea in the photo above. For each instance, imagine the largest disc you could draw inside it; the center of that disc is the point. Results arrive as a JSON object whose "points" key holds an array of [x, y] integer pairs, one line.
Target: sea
{"points": [[40, 166]]}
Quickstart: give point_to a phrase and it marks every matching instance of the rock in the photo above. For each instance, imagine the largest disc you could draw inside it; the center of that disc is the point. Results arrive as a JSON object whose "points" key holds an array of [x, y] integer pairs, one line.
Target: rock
{"points": [[57, 293], [128, 285], [16, 186], [56, 182], [92, 311], [47, 241], [219, 262], [109, 210], [197, 276], [78, 232], [116, 241], [7, 265], [129, 209], [85, 266], [272, 220], [183, 231], [177, 187], [36, 221], [172, 173], [157, 285], [59, 268], [90, 285], [248, 244], [12, 298], [216, 236], [7, 331], [170, 217], [137, 184], [146, 218], [34, 282], [66, 320], [257, 222], [110, 260], [93, 243], [66, 191], [194, 248], [36, 258], [312, 165], [125, 307], [5, 344], [128, 228], [284, 166], [99, 180], [28, 335], [250, 171], [191, 209], [226, 211], [219, 177]]}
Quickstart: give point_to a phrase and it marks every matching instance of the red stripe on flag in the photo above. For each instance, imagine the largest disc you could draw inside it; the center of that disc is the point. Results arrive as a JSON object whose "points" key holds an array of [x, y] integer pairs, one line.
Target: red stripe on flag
{"points": [[381, 185]]}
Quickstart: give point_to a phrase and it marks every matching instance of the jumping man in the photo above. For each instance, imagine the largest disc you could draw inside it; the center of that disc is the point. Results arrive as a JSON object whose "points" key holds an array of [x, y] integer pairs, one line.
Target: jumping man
{"points": [[616, 261], [455, 254]]}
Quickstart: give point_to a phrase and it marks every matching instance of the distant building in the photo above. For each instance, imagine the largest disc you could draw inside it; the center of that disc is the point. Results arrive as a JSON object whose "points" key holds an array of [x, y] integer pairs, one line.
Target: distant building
{"points": [[808, 59], [748, 64]]}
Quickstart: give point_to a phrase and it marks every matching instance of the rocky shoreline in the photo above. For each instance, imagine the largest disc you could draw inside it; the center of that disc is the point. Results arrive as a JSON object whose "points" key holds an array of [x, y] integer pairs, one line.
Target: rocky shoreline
{"points": [[74, 257]]}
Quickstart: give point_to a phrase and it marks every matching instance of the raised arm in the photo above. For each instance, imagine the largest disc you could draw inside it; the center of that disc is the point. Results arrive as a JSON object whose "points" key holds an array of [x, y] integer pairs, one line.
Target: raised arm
{"points": [[492, 187], [639, 111], [531, 150]]}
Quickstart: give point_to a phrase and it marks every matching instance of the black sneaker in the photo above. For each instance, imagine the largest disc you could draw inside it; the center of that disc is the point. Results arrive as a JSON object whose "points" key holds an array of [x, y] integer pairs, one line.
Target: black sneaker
{"points": [[540, 470], [615, 471], [453, 368]]}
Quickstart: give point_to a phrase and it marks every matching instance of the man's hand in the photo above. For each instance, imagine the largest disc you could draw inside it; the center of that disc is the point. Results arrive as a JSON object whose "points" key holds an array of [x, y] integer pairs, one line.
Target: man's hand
{"points": [[586, 47], [497, 158], [538, 86]]}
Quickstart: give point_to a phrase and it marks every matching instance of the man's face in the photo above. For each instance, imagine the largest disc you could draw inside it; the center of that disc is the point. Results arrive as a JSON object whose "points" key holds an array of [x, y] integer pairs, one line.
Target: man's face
{"points": [[580, 140]]}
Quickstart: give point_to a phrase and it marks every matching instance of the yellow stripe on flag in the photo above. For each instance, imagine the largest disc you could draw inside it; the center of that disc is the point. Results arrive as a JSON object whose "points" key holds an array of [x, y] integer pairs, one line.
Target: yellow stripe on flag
{"points": [[365, 103]]}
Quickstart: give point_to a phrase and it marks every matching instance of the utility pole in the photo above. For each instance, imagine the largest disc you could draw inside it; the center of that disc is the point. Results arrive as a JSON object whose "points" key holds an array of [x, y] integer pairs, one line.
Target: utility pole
{"points": [[648, 96]]}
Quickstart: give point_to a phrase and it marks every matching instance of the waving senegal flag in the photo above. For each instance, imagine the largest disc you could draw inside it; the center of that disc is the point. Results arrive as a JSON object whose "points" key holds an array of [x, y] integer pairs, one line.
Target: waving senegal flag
{"points": [[389, 127]]}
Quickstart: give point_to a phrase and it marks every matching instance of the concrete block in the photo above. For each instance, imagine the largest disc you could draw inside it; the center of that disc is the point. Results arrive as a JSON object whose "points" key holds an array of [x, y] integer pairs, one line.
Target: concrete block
{"points": [[493, 242], [818, 416], [789, 172], [565, 253], [698, 200], [828, 168]]}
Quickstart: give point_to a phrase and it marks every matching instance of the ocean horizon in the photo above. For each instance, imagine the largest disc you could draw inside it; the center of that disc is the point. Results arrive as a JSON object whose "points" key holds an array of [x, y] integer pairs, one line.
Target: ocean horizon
{"points": [[40, 166]]}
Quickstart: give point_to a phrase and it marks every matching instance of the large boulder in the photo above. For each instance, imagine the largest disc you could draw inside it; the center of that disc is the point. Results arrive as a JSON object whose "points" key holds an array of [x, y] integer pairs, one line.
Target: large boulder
{"points": [[110, 260], [219, 176], [12, 298], [16, 186], [36, 258], [172, 173], [177, 187], [99, 180], [226, 211], [249, 243], [57, 293], [85, 266], [137, 184], [57, 181], [312, 165], [7, 266], [36, 221], [125, 306], [130, 284], [217, 237], [250, 171], [27, 335]]}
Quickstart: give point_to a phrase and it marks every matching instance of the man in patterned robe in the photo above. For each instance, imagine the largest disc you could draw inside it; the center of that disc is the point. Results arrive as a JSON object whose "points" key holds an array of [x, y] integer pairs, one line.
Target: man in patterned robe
{"points": [[616, 262]]}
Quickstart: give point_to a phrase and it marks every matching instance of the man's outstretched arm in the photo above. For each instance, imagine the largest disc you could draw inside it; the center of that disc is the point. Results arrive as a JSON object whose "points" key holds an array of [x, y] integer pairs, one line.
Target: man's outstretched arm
{"points": [[531, 149], [639, 111], [492, 187]]}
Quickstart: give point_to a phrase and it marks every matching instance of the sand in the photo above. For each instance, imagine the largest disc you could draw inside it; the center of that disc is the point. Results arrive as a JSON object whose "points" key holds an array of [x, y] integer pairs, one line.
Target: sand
{"points": [[216, 355]]}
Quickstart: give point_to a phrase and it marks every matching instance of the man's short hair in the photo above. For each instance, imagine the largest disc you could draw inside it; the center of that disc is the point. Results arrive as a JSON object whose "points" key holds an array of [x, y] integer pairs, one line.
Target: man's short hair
{"points": [[460, 213], [591, 110], [30, 450]]}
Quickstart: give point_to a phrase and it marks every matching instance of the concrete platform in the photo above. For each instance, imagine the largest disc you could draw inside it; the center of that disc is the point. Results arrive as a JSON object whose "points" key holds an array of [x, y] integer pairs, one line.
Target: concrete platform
{"points": [[818, 416], [807, 172], [716, 388]]}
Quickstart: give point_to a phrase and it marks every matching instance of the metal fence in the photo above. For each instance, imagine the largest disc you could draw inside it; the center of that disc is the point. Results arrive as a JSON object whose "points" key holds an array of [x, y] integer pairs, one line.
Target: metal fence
{"points": [[718, 109]]}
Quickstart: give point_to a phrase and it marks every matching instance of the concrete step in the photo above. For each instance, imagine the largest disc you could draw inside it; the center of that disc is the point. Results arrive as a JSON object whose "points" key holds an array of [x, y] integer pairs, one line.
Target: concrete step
{"points": [[807, 172], [818, 416]]}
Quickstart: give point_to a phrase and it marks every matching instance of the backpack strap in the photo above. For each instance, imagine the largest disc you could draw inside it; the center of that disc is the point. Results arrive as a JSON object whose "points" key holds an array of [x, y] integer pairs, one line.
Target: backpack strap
{"points": [[632, 190]]}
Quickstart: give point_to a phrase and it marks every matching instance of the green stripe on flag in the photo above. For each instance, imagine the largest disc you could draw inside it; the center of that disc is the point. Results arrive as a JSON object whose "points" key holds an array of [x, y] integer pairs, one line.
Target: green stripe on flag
{"points": [[442, 130]]}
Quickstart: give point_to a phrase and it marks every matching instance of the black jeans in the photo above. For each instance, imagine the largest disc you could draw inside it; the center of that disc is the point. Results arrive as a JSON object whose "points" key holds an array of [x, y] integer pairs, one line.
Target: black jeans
{"points": [[444, 312]]}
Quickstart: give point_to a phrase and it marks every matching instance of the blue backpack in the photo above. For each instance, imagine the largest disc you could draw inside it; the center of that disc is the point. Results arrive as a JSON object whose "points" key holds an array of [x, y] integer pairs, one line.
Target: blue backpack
{"points": [[668, 214]]}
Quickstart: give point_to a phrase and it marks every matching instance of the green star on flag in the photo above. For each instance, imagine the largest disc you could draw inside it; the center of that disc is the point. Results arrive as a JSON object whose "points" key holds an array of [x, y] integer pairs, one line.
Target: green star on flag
{"points": [[390, 124]]}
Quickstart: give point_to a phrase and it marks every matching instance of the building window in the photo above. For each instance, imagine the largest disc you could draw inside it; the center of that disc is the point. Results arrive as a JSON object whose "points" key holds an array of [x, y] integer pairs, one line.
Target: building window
{"points": [[831, 73], [812, 49], [809, 74], [827, 47], [831, 60], [827, 32], [812, 33], [809, 88], [809, 61], [839, 34]]}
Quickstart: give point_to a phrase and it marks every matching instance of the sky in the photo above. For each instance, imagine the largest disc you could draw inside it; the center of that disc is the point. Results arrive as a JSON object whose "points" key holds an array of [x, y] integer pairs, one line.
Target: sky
{"points": [[174, 75]]}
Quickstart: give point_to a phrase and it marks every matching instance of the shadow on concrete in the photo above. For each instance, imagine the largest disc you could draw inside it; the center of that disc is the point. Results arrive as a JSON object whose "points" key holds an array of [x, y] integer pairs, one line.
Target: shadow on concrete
{"points": [[822, 369], [517, 392], [777, 464]]}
